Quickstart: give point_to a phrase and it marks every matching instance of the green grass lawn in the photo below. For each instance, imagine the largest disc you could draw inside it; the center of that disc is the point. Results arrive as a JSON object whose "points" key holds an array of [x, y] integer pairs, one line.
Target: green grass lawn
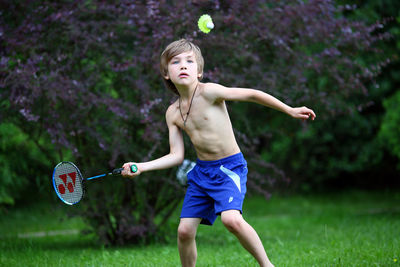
{"points": [[346, 229]]}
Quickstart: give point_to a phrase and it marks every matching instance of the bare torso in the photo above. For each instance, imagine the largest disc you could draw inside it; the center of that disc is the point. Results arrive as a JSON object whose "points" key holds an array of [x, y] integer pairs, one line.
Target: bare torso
{"points": [[208, 125]]}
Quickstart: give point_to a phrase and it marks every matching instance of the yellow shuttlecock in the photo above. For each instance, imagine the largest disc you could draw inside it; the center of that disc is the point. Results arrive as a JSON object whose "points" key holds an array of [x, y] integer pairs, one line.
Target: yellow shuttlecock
{"points": [[205, 23]]}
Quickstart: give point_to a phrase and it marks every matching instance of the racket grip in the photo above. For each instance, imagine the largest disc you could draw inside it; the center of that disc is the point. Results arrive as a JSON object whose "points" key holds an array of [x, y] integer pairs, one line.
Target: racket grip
{"points": [[117, 171]]}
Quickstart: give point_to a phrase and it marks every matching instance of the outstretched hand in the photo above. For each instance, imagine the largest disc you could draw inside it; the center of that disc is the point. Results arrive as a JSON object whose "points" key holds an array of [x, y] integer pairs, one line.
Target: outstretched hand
{"points": [[303, 113]]}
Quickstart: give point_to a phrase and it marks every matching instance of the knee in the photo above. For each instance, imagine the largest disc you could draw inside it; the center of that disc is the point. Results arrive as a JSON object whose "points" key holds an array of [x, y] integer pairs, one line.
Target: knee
{"points": [[186, 233], [232, 223]]}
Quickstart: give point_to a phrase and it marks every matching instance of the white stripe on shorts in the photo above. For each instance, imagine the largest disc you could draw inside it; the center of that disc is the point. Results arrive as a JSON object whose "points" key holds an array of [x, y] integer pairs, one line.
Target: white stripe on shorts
{"points": [[232, 175]]}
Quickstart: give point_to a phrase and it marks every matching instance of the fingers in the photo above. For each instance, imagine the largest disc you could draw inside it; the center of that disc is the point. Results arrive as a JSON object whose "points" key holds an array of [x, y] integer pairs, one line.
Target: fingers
{"points": [[306, 113], [311, 114]]}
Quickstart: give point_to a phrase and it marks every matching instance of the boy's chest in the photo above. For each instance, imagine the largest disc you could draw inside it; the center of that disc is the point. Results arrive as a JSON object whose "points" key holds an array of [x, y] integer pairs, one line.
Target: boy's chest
{"points": [[201, 115]]}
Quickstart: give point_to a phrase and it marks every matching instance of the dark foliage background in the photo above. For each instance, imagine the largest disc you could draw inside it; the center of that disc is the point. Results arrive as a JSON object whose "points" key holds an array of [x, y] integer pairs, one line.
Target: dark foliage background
{"points": [[79, 81]]}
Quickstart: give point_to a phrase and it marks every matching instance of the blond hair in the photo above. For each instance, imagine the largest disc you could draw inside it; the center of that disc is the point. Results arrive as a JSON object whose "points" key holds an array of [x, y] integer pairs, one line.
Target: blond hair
{"points": [[176, 48]]}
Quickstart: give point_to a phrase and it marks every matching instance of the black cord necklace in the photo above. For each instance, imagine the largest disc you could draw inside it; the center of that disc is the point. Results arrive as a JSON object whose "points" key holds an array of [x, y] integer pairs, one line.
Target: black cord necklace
{"points": [[190, 105]]}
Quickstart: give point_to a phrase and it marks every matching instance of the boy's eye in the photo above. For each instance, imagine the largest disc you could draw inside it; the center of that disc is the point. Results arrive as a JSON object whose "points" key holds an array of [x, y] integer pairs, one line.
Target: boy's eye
{"points": [[175, 62], [190, 61]]}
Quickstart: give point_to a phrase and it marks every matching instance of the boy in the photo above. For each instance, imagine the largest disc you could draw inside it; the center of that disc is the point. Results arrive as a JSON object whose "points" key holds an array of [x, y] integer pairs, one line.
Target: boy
{"points": [[217, 184]]}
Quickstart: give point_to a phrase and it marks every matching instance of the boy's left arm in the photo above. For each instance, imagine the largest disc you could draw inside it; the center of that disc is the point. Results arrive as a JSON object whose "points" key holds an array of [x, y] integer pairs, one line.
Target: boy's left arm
{"points": [[219, 93]]}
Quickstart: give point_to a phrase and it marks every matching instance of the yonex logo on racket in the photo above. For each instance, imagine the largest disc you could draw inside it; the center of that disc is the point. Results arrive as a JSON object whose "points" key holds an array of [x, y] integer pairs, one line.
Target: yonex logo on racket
{"points": [[70, 186]]}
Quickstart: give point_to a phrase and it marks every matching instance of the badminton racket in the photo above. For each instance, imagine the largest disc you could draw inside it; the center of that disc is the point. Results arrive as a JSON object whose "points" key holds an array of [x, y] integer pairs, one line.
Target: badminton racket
{"points": [[68, 181]]}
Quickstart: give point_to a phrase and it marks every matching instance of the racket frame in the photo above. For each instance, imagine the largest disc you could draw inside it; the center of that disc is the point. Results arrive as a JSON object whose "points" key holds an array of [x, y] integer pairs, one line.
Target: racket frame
{"points": [[81, 179]]}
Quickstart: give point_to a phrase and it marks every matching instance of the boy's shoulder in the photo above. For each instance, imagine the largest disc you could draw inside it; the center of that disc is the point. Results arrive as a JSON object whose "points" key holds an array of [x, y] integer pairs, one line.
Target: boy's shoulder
{"points": [[212, 91], [211, 86], [173, 106], [172, 112]]}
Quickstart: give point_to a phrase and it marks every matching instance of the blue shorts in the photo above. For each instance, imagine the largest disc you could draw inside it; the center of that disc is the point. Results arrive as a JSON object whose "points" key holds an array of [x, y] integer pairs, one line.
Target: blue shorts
{"points": [[215, 186]]}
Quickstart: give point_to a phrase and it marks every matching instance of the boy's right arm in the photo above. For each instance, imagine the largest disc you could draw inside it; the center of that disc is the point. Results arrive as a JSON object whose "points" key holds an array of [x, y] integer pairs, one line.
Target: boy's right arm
{"points": [[174, 158]]}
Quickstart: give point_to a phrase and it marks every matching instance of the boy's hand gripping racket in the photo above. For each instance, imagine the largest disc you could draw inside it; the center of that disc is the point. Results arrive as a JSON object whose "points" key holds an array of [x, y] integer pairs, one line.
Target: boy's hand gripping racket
{"points": [[68, 181]]}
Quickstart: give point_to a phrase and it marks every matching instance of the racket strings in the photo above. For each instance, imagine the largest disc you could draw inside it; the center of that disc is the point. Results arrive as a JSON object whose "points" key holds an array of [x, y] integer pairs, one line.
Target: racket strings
{"points": [[67, 181]]}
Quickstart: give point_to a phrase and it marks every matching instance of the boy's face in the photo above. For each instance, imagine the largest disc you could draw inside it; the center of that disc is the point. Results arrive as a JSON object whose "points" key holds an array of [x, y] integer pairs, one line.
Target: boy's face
{"points": [[182, 69]]}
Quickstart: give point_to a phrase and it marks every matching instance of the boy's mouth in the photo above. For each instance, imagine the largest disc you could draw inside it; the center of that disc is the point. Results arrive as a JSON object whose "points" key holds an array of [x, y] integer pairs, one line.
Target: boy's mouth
{"points": [[183, 75]]}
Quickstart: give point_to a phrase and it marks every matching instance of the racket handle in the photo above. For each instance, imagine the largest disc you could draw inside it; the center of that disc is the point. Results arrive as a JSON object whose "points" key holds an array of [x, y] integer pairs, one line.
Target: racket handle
{"points": [[117, 171]]}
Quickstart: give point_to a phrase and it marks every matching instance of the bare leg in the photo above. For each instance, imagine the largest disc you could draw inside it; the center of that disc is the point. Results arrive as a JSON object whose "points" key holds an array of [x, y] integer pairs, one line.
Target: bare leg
{"points": [[234, 222], [186, 241]]}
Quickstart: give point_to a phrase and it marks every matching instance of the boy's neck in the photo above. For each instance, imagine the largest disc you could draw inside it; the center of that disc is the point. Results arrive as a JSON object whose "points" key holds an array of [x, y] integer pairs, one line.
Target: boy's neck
{"points": [[186, 92]]}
